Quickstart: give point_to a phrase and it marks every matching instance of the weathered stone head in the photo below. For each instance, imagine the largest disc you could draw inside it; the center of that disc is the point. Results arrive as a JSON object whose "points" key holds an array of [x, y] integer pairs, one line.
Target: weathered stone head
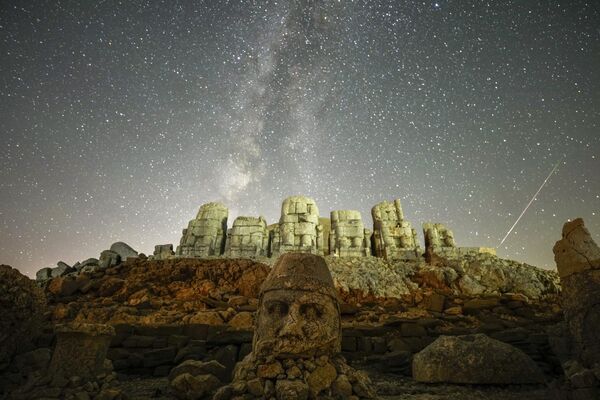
{"points": [[298, 313]]}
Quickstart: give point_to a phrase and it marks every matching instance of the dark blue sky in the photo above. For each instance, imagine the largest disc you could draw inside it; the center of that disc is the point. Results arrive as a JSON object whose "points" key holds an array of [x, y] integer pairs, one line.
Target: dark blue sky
{"points": [[119, 119]]}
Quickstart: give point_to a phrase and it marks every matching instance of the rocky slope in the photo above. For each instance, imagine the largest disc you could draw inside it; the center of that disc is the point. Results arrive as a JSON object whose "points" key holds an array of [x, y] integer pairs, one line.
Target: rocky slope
{"points": [[222, 290]]}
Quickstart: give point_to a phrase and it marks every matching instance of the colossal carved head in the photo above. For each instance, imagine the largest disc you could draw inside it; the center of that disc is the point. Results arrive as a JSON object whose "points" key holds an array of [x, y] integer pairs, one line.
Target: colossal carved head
{"points": [[298, 314]]}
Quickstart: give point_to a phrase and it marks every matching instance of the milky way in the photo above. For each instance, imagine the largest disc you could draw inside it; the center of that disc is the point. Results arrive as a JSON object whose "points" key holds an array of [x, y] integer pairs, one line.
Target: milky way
{"points": [[119, 120]]}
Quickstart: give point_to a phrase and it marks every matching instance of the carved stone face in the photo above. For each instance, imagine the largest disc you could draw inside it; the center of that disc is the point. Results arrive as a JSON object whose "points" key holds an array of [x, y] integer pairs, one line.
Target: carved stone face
{"points": [[297, 323], [298, 314]]}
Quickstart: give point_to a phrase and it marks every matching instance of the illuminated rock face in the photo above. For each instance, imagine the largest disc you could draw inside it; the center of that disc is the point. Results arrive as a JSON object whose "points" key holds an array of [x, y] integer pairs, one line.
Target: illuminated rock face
{"points": [[439, 239], [248, 237], [297, 341], [348, 236], [298, 312], [205, 235], [299, 229], [393, 237], [577, 259]]}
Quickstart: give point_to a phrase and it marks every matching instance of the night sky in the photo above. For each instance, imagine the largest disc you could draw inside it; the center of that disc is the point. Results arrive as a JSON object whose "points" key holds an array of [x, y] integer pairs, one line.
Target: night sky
{"points": [[119, 119]]}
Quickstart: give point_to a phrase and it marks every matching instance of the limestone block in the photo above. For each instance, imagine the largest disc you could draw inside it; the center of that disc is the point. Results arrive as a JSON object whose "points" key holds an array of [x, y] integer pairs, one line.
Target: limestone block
{"points": [[206, 234], [393, 237], [348, 236], [298, 229], [163, 251], [248, 237], [439, 240]]}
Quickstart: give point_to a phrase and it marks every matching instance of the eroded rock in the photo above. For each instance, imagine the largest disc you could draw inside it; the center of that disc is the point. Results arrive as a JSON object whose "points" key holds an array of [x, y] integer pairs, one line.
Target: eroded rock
{"points": [[474, 359]]}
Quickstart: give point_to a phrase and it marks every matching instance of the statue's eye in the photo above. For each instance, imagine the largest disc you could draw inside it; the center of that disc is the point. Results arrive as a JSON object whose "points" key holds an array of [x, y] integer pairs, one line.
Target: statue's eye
{"points": [[277, 308], [311, 311]]}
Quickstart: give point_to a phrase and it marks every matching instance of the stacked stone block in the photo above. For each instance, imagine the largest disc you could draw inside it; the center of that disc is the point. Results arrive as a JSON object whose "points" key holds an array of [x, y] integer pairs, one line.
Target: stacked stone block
{"points": [[205, 235], [393, 237], [348, 236], [299, 229], [248, 237], [439, 240]]}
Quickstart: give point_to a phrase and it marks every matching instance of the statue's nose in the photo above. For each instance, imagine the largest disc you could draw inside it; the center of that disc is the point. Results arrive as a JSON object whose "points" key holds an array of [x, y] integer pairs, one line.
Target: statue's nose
{"points": [[292, 324]]}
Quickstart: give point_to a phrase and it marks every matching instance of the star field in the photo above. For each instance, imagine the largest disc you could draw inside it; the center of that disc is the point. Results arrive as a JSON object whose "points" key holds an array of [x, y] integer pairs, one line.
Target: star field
{"points": [[119, 119]]}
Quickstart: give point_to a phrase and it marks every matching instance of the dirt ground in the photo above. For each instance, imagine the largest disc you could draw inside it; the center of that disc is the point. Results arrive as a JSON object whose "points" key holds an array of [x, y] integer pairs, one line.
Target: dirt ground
{"points": [[389, 387]]}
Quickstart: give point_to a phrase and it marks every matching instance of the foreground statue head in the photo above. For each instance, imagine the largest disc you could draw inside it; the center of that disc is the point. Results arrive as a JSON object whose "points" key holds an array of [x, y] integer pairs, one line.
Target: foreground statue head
{"points": [[298, 313], [297, 341]]}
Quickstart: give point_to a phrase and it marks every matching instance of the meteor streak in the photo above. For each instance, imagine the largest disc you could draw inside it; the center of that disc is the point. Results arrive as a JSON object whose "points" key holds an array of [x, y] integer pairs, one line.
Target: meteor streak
{"points": [[529, 204]]}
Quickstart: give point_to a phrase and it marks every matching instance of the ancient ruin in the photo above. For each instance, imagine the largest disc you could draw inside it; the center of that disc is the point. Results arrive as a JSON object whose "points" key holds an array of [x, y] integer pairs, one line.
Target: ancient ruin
{"points": [[297, 343], [248, 237], [163, 251], [80, 350], [348, 236], [393, 237], [205, 235], [577, 259], [299, 229]]}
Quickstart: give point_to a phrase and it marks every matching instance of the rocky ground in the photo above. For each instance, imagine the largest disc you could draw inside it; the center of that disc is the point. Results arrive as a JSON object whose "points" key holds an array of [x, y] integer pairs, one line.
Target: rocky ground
{"points": [[217, 291], [169, 311], [389, 386]]}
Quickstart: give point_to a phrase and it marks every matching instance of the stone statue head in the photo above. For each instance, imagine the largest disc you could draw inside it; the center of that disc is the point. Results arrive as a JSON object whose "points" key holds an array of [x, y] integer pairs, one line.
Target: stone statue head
{"points": [[298, 314]]}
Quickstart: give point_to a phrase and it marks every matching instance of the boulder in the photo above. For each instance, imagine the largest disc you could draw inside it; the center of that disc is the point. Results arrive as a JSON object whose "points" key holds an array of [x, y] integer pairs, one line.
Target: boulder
{"points": [[123, 250], [63, 286], [163, 251], [87, 262], [288, 390], [577, 259], [576, 251], [43, 274], [196, 368], [108, 258], [474, 359], [189, 387], [61, 269]]}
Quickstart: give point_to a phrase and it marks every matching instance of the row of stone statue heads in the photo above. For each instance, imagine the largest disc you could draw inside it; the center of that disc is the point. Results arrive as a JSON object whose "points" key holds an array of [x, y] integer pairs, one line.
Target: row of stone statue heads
{"points": [[300, 229]]}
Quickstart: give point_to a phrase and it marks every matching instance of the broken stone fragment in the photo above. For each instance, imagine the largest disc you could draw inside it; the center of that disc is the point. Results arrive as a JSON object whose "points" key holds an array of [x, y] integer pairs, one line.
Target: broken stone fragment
{"points": [[205, 235], [108, 258], [80, 350], [576, 251], [474, 359], [123, 250], [163, 251], [578, 262], [61, 269]]}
